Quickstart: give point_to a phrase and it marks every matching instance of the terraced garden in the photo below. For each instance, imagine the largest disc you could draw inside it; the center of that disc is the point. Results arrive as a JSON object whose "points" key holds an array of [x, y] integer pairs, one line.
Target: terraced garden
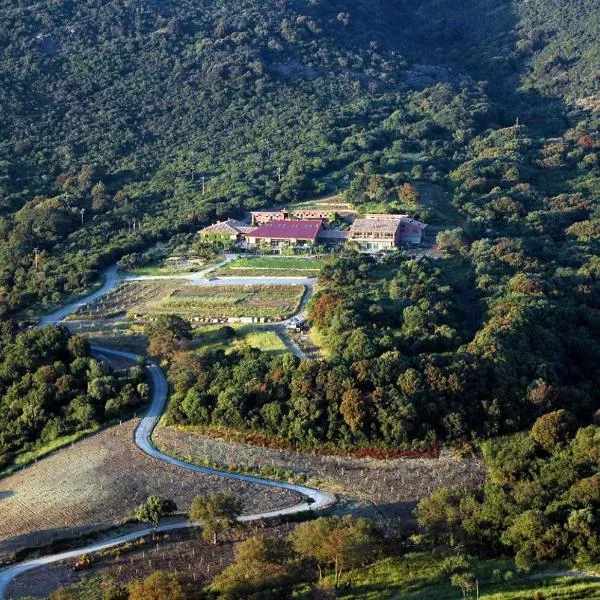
{"points": [[168, 296], [273, 302]]}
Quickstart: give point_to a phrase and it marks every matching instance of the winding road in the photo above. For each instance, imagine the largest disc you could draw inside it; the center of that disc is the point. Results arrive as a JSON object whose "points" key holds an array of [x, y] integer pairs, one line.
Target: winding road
{"points": [[315, 499]]}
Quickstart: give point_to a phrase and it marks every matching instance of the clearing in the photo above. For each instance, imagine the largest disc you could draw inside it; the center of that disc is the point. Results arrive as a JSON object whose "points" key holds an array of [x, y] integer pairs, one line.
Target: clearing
{"points": [[417, 575], [217, 338], [98, 482], [393, 485]]}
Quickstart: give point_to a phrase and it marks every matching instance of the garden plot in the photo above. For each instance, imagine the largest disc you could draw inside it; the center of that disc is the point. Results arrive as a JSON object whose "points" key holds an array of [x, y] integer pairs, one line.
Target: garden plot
{"points": [[271, 302], [98, 482], [129, 296]]}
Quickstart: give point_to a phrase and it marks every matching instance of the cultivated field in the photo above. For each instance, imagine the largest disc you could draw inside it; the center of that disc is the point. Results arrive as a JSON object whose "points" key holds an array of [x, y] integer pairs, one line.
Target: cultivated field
{"points": [[183, 552], [98, 482], [393, 486], [274, 302], [166, 296], [129, 296]]}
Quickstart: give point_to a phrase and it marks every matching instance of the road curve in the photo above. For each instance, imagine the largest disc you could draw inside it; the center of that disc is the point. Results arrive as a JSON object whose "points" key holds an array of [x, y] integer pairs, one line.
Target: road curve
{"points": [[315, 499], [111, 279]]}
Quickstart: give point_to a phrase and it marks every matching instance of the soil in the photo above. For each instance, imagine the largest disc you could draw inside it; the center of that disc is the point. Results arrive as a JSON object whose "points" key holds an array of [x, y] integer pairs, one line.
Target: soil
{"points": [[98, 482], [182, 552], [393, 487]]}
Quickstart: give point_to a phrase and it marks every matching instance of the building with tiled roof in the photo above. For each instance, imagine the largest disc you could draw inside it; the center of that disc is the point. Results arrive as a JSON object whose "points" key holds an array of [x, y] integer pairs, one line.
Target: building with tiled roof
{"points": [[385, 232], [225, 230], [286, 233]]}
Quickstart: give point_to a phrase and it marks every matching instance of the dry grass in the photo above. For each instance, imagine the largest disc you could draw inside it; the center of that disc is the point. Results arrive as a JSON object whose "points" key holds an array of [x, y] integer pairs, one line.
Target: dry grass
{"points": [[98, 482]]}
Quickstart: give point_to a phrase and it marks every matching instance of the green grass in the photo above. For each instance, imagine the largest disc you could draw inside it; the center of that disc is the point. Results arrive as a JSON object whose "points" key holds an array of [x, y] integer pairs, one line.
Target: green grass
{"points": [[284, 263], [417, 575], [213, 338]]}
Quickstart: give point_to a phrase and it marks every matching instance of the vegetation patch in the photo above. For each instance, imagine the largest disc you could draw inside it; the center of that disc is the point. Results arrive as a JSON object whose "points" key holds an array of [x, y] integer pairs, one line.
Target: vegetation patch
{"points": [[235, 336], [273, 302]]}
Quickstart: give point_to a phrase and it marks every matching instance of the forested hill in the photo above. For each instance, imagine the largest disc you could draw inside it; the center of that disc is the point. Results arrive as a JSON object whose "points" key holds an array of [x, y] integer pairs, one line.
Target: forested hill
{"points": [[114, 107]]}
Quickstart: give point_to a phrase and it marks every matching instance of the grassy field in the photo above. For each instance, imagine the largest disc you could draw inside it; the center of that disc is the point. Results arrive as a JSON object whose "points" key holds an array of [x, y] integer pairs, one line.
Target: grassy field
{"points": [[417, 576], [274, 302], [213, 337], [274, 262], [289, 266]]}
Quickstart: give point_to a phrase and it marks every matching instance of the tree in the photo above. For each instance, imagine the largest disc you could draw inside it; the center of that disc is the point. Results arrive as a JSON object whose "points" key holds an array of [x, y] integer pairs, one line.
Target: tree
{"points": [[79, 346], [344, 543], [451, 241], [440, 515], [115, 592], [260, 564], [352, 409], [158, 586], [63, 594], [154, 508], [216, 514], [408, 193], [552, 430], [169, 326], [465, 581]]}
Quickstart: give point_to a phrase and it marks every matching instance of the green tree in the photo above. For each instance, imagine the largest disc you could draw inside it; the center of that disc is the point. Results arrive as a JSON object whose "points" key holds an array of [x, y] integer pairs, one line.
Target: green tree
{"points": [[154, 508], [260, 564], [158, 586], [170, 326], [216, 514], [343, 543], [553, 429]]}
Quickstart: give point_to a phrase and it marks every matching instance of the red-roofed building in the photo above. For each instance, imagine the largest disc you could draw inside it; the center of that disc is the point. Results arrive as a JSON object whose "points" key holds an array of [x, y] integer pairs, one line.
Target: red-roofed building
{"points": [[285, 233]]}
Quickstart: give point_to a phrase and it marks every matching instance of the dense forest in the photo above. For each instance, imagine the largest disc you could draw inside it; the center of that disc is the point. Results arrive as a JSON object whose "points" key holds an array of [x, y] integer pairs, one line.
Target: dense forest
{"points": [[112, 111], [51, 387]]}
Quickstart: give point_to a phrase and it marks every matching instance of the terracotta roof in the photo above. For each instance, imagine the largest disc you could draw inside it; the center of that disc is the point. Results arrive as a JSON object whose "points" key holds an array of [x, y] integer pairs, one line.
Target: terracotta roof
{"points": [[288, 230]]}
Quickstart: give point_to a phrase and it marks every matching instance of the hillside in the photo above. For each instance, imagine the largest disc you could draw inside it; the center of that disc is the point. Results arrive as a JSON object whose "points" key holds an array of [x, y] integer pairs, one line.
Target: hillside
{"points": [[144, 97]]}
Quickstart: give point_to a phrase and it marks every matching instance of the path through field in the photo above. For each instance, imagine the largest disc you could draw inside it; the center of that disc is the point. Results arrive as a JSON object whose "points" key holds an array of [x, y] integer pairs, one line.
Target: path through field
{"points": [[314, 499]]}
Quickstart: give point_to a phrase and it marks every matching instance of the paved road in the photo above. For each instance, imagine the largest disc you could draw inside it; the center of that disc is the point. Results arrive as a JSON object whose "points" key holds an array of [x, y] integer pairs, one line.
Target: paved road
{"points": [[315, 499], [111, 279]]}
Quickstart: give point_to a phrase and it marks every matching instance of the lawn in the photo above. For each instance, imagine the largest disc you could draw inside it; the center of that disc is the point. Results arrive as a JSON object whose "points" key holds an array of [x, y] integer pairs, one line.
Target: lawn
{"points": [[273, 302], [215, 337], [288, 266], [416, 575]]}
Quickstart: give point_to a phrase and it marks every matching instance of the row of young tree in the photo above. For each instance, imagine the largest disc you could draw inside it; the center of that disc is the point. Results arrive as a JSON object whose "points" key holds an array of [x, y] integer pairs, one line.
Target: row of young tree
{"points": [[50, 386]]}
